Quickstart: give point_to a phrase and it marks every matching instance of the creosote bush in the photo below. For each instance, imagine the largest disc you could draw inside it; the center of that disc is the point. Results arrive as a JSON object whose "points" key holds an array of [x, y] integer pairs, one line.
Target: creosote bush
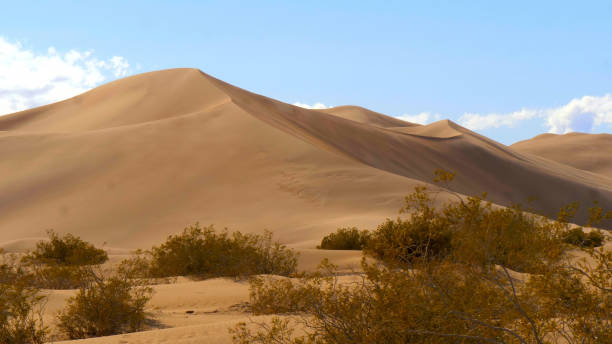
{"points": [[61, 262], [106, 306], [21, 314], [21, 305], [202, 251], [345, 239], [577, 237], [68, 250], [466, 272]]}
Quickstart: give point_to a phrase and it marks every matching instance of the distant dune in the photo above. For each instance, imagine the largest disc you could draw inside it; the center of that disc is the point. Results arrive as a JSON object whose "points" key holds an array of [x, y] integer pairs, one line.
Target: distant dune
{"points": [[589, 152], [137, 159]]}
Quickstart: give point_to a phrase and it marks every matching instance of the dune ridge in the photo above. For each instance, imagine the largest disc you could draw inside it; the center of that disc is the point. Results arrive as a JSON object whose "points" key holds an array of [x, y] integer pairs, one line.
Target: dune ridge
{"points": [[139, 158], [589, 152]]}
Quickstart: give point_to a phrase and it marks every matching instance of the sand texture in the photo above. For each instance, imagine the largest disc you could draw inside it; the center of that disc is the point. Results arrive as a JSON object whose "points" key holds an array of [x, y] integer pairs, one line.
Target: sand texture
{"points": [[137, 159]]}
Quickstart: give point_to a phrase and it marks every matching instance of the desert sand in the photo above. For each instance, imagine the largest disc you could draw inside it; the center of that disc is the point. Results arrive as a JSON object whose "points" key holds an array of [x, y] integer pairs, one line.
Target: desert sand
{"points": [[137, 159], [589, 152], [130, 162]]}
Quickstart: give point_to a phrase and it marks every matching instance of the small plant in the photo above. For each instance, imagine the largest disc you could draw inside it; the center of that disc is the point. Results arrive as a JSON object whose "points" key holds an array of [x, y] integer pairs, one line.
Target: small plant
{"points": [[68, 250], [21, 319], [577, 237], [345, 239], [466, 272], [61, 262], [105, 307], [202, 251]]}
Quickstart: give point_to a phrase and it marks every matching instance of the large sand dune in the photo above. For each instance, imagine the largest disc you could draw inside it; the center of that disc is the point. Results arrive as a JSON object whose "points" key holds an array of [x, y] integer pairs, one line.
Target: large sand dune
{"points": [[589, 152], [139, 158]]}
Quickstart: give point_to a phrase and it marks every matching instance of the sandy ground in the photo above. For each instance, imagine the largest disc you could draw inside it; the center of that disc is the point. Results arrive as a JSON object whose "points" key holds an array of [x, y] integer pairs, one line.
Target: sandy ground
{"points": [[214, 305]]}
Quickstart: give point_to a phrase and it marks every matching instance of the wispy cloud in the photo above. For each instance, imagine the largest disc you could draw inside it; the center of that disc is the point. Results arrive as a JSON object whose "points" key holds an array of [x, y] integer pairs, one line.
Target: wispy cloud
{"points": [[580, 114], [421, 118], [29, 79], [317, 106], [475, 121]]}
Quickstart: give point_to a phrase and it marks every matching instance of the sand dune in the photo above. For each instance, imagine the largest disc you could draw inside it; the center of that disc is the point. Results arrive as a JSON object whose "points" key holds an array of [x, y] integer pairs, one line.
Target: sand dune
{"points": [[589, 152], [363, 115], [139, 158]]}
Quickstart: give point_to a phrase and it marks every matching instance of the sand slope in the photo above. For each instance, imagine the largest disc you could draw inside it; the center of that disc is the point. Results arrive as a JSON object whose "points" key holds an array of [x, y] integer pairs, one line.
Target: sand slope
{"points": [[139, 158], [589, 152]]}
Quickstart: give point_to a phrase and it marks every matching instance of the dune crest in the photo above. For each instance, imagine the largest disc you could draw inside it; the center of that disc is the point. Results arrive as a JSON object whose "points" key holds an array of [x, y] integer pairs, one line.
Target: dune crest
{"points": [[140, 158], [589, 152], [363, 115], [443, 129]]}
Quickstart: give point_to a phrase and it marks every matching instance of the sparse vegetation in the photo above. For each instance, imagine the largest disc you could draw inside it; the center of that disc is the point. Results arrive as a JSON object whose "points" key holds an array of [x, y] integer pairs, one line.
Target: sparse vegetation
{"points": [[468, 272], [68, 250], [21, 306], [202, 251], [349, 238], [106, 306], [61, 262], [577, 237], [21, 315]]}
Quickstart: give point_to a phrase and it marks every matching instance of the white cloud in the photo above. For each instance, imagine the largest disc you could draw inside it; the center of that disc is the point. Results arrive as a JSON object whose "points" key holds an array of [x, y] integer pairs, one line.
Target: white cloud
{"points": [[580, 114], [421, 118], [316, 106], [29, 79], [476, 121]]}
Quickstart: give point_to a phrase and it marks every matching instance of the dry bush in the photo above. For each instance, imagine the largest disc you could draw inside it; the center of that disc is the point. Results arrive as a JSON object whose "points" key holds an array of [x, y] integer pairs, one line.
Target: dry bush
{"points": [[452, 275], [349, 238], [106, 306], [577, 237], [202, 251], [61, 262], [278, 295], [21, 310], [68, 250]]}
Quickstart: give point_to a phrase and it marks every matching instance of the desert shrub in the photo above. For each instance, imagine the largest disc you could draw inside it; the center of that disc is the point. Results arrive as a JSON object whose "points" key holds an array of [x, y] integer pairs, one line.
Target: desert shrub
{"points": [[50, 276], [106, 306], [345, 239], [21, 315], [203, 251], [61, 262], [469, 231], [11, 271], [279, 295], [468, 290], [68, 250], [577, 237], [402, 241]]}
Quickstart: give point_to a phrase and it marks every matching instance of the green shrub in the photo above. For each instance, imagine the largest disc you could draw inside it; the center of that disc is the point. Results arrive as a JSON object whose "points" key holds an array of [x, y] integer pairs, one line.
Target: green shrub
{"points": [[105, 307], [21, 315], [57, 276], [208, 253], [61, 262], [345, 239], [577, 237], [449, 275], [67, 251]]}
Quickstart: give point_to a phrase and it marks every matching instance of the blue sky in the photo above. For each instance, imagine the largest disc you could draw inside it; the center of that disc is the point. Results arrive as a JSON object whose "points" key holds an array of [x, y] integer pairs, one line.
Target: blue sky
{"points": [[509, 70]]}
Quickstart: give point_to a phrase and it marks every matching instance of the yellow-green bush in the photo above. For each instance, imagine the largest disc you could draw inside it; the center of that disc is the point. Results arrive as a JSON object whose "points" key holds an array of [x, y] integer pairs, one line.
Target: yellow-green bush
{"points": [[202, 251], [104, 307], [61, 262], [68, 250], [452, 274], [577, 237], [21, 314], [349, 238]]}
